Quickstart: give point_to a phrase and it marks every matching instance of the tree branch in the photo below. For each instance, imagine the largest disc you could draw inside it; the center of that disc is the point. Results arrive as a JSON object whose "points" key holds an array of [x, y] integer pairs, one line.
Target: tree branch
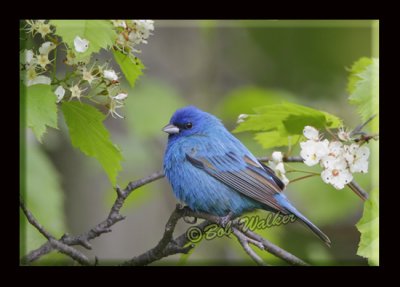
{"points": [[53, 243], [244, 241], [103, 227], [167, 245]]}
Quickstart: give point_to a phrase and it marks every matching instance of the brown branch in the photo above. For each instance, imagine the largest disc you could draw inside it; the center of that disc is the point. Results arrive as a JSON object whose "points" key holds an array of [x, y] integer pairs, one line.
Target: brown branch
{"points": [[103, 227], [257, 239], [285, 159], [244, 241], [167, 245], [53, 243], [276, 250]]}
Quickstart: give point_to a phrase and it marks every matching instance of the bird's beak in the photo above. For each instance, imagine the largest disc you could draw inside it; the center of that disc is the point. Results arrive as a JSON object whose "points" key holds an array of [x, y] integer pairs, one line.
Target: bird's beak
{"points": [[170, 129]]}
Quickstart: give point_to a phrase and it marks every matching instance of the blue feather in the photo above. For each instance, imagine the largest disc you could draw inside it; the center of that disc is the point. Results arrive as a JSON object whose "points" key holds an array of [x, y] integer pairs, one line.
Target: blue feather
{"points": [[212, 171]]}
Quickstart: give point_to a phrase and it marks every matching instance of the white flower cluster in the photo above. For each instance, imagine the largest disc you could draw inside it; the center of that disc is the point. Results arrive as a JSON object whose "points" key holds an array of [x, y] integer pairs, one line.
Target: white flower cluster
{"points": [[339, 160], [96, 83], [277, 165], [99, 74], [36, 64], [132, 33], [38, 26]]}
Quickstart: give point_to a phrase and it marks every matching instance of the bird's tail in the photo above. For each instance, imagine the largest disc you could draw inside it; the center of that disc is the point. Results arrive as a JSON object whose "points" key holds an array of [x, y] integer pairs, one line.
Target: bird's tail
{"points": [[289, 207]]}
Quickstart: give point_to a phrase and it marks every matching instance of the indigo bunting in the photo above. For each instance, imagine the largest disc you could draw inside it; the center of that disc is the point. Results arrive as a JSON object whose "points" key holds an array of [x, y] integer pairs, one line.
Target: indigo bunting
{"points": [[213, 172]]}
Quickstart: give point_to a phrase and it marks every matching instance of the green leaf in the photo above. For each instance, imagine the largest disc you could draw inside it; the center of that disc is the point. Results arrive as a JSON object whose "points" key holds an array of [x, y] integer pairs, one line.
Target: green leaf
{"points": [[358, 67], [43, 196], [363, 87], [274, 139], [244, 99], [369, 229], [282, 124], [41, 108], [99, 33], [91, 137], [131, 69]]}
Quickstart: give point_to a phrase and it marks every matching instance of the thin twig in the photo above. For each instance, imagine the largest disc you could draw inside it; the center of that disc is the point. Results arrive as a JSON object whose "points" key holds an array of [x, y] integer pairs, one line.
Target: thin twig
{"points": [[276, 250], [53, 243], [167, 245], [268, 246], [285, 159], [103, 227], [244, 241], [358, 190]]}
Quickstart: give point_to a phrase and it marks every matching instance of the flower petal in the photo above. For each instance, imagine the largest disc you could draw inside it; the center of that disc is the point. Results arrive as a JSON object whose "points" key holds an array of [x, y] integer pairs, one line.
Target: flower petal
{"points": [[81, 45]]}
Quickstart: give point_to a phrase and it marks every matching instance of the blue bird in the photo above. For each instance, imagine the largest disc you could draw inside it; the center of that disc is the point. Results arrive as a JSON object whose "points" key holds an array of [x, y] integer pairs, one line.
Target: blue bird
{"points": [[213, 172]]}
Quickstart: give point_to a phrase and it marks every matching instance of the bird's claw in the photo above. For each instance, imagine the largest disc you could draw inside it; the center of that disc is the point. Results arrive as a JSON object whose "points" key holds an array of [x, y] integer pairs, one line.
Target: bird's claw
{"points": [[224, 220]]}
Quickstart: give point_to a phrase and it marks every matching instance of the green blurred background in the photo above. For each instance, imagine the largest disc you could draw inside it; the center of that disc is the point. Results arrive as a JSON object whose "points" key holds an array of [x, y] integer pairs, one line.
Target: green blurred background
{"points": [[225, 68]]}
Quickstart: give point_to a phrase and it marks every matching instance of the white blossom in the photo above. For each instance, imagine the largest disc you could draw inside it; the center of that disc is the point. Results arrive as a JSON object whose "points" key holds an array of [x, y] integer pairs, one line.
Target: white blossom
{"points": [[357, 158], [119, 23], [311, 133], [335, 148], [337, 173], [343, 135], [313, 151], [241, 118], [278, 167], [277, 156], [89, 75], [46, 47], [144, 27], [81, 45], [134, 33], [76, 92], [43, 28], [110, 75], [281, 173], [33, 78], [114, 105], [59, 92], [42, 60], [39, 80], [29, 57], [121, 96]]}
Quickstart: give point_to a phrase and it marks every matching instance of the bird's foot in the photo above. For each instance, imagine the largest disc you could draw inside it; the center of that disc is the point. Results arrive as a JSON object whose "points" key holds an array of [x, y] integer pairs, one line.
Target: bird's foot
{"points": [[224, 220]]}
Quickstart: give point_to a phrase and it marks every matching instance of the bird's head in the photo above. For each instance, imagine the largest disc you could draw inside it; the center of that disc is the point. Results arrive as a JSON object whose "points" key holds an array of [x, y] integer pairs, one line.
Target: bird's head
{"points": [[189, 121]]}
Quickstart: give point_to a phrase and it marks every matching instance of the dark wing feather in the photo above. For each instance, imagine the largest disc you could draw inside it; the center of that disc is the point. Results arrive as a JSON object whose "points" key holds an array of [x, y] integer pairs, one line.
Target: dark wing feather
{"points": [[277, 180], [243, 175]]}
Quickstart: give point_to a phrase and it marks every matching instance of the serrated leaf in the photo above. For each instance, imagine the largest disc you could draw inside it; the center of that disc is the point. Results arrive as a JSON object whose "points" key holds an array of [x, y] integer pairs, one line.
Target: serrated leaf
{"points": [[363, 87], [274, 139], [99, 33], [369, 229], [358, 67], [87, 132], [132, 70], [41, 108], [276, 123]]}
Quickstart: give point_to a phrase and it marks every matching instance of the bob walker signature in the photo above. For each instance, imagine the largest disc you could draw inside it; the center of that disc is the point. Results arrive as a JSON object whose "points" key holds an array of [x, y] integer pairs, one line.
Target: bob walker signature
{"points": [[212, 231]]}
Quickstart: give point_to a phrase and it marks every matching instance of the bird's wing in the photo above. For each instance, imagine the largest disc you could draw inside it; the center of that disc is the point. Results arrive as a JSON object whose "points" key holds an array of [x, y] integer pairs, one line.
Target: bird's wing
{"points": [[242, 174]]}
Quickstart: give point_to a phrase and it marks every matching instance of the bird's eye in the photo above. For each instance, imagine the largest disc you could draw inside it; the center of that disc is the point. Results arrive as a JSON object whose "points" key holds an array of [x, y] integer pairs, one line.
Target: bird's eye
{"points": [[188, 125]]}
